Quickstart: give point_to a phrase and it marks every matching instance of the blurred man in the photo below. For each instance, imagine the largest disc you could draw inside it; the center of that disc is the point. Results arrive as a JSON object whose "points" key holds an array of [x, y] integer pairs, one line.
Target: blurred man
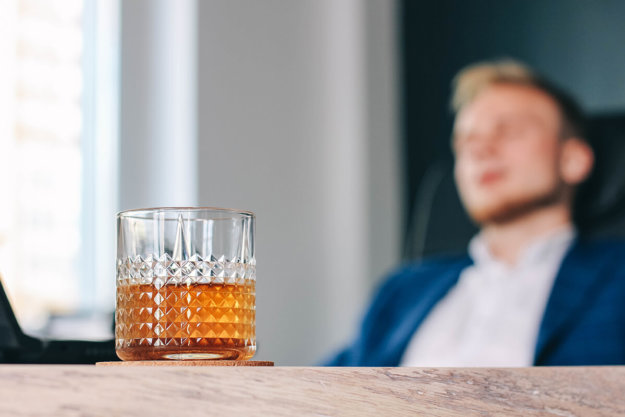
{"points": [[530, 292]]}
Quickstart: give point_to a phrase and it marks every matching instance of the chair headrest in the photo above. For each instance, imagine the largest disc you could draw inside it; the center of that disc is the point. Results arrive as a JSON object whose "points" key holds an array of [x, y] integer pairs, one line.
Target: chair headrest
{"points": [[600, 203]]}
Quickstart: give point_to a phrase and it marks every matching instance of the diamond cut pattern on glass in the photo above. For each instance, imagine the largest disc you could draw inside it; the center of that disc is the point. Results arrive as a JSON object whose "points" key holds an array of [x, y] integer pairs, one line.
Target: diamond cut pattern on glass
{"points": [[191, 303], [163, 269]]}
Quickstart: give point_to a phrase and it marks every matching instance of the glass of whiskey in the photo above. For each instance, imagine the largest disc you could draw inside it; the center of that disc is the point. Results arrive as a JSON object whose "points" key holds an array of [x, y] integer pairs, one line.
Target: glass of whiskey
{"points": [[185, 284]]}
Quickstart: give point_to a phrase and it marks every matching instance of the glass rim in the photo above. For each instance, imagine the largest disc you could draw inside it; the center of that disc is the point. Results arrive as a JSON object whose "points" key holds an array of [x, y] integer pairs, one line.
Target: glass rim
{"points": [[135, 213]]}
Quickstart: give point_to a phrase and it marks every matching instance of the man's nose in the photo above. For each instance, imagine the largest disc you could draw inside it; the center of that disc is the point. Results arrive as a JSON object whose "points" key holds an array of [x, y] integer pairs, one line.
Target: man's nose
{"points": [[484, 144]]}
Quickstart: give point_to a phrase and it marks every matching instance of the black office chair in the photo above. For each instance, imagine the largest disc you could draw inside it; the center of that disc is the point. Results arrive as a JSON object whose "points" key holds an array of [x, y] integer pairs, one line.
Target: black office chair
{"points": [[18, 347], [440, 225]]}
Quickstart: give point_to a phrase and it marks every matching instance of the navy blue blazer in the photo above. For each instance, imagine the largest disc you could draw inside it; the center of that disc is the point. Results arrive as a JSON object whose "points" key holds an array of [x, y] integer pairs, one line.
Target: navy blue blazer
{"points": [[583, 324]]}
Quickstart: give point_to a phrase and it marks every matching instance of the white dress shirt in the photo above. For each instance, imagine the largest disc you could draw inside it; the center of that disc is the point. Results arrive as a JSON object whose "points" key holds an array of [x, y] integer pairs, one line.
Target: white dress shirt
{"points": [[492, 315]]}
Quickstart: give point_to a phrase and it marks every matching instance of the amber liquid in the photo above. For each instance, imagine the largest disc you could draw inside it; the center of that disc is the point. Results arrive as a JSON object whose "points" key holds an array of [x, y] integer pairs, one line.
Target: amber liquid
{"points": [[196, 321]]}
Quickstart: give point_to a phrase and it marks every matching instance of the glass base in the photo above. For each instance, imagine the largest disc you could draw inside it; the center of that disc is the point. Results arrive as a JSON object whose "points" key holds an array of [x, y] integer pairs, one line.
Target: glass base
{"points": [[150, 353]]}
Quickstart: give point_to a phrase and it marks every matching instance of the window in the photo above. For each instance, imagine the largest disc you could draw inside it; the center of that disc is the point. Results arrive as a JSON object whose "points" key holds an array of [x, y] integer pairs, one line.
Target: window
{"points": [[49, 116]]}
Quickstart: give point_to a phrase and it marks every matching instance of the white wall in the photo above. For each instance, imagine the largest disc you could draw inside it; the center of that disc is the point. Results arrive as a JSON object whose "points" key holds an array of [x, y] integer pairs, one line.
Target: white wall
{"points": [[158, 103], [296, 122]]}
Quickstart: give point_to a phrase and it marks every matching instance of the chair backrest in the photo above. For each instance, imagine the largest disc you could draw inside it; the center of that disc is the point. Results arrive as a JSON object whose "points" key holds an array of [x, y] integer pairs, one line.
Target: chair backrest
{"points": [[439, 223], [600, 203]]}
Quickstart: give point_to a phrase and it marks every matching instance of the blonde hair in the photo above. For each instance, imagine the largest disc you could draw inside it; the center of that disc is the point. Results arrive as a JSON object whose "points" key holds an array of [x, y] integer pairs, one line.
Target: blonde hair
{"points": [[472, 80]]}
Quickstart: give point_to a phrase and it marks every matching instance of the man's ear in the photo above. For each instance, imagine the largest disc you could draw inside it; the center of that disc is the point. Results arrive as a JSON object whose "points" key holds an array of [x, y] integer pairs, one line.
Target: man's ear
{"points": [[576, 161]]}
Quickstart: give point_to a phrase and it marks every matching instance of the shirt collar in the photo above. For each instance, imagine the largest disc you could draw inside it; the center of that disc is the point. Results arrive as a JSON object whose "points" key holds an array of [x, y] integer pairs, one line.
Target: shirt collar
{"points": [[549, 246]]}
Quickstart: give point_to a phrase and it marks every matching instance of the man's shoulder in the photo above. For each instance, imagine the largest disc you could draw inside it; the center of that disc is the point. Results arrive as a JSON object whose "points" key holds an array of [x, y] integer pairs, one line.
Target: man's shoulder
{"points": [[426, 271], [609, 249], [601, 243], [605, 256]]}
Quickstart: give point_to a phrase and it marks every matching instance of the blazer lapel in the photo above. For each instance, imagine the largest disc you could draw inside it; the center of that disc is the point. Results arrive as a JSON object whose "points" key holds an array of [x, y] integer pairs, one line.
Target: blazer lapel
{"points": [[578, 277], [415, 315]]}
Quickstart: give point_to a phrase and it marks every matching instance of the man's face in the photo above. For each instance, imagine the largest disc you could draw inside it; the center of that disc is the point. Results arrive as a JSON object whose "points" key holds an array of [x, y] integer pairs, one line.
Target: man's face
{"points": [[507, 146]]}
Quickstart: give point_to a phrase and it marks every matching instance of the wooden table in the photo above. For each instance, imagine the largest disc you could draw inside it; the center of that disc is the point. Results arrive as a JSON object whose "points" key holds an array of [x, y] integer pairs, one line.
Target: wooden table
{"points": [[285, 391]]}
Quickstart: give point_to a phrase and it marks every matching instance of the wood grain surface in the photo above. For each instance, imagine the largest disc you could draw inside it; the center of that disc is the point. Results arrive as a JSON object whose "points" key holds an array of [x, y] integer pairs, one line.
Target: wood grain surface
{"points": [[186, 363], [282, 391]]}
